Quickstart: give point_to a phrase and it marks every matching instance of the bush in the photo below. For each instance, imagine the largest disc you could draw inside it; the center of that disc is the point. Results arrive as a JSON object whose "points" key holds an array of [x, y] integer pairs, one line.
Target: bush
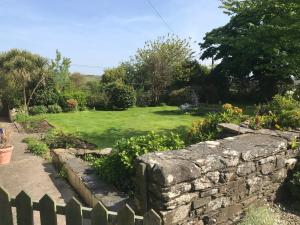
{"points": [[207, 129], [120, 96], [79, 96], [39, 109], [118, 168], [46, 94], [283, 112], [58, 139], [72, 105], [259, 216], [144, 99], [54, 108], [36, 147], [98, 102], [181, 96]]}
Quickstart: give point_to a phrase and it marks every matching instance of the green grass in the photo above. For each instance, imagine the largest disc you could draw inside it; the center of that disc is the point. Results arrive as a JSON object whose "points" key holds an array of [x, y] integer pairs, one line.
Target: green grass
{"points": [[104, 128]]}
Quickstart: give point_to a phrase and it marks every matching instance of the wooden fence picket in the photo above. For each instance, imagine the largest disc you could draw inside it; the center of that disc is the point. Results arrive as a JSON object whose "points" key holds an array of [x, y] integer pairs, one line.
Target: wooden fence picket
{"points": [[5, 208], [74, 213], [126, 216], [24, 209], [152, 218], [99, 215], [47, 211]]}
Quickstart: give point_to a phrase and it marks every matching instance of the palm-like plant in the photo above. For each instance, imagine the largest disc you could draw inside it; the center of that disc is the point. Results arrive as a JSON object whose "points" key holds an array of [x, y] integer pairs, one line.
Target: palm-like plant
{"points": [[20, 67]]}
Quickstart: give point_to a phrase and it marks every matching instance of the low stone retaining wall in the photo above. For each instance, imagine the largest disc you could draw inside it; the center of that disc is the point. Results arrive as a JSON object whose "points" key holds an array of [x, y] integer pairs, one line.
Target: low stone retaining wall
{"points": [[83, 179], [215, 181]]}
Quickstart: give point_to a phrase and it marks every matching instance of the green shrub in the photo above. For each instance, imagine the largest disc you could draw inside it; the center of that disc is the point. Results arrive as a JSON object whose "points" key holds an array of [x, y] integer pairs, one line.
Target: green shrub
{"points": [[118, 168], [207, 129], [264, 121], [120, 96], [46, 94], [22, 117], [283, 112], [59, 139], [296, 94], [98, 102], [79, 96], [54, 108], [144, 99], [181, 96], [259, 216], [39, 109], [36, 147]]}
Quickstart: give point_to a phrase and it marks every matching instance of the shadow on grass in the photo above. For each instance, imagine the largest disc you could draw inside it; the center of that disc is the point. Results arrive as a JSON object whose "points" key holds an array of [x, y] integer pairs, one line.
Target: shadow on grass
{"points": [[202, 110], [109, 137], [168, 112]]}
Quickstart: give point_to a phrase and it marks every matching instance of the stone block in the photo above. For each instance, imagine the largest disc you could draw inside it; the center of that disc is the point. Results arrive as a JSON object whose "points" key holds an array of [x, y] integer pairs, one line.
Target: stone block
{"points": [[279, 175], [291, 163], [230, 158], [201, 202], [246, 168], [280, 162], [181, 200], [254, 184], [175, 216], [229, 212], [218, 203], [209, 192], [201, 183], [267, 168]]}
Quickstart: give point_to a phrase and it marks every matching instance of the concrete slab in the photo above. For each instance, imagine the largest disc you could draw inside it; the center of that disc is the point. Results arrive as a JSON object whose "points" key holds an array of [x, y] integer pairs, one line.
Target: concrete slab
{"points": [[34, 175]]}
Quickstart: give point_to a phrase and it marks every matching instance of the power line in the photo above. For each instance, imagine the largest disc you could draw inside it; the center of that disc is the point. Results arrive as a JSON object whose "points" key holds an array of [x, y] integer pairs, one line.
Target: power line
{"points": [[160, 16]]}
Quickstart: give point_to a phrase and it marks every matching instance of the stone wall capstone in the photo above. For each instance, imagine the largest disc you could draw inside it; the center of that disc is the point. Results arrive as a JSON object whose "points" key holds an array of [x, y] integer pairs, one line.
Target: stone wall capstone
{"points": [[213, 182]]}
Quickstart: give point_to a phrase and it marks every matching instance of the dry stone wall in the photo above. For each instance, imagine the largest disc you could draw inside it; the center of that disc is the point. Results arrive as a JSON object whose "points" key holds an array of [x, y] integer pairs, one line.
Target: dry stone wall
{"points": [[215, 181]]}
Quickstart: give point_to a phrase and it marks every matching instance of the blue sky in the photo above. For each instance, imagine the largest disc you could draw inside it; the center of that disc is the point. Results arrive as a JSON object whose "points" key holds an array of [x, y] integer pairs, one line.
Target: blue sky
{"points": [[101, 33]]}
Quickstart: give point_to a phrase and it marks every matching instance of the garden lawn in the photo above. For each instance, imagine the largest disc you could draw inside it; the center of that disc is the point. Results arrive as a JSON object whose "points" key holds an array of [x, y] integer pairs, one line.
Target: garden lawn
{"points": [[104, 128]]}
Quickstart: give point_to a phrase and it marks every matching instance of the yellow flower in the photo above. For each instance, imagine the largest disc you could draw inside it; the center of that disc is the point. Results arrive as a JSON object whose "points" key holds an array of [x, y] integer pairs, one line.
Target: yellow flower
{"points": [[227, 106], [237, 110]]}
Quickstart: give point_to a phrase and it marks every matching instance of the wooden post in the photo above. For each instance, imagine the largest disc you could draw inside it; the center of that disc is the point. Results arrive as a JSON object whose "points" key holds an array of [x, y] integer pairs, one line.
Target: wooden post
{"points": [[24, 209], [99, 215], [47, 211], [152, 218], [74, 213], [5, 208], [141, 197], [126, 216]]}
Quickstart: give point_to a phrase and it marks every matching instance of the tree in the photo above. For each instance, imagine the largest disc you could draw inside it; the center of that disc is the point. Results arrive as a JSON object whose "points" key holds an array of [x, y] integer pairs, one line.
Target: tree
{"points": [[159, 63], [19, 68], [116, 74], [60, 71], [78, 80], [260, 44], [120, 96]]}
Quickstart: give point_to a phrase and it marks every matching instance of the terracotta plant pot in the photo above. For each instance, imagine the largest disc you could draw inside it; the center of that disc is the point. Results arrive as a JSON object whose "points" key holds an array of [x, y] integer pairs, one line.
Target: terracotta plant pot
{"points": [[5, 155]]}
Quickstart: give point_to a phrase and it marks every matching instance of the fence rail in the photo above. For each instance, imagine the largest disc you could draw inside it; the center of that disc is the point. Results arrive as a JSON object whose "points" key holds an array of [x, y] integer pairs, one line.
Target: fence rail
{"points": [[73, 212]]}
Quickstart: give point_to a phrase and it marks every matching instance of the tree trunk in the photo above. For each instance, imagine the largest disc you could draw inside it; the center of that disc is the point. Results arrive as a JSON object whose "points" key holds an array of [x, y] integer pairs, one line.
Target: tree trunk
{"points": [[34, 90], [24, 96]]}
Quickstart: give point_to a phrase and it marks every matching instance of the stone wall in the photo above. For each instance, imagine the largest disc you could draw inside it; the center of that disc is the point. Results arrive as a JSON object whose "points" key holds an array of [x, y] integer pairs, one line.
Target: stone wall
{"points": [[215, 181]]}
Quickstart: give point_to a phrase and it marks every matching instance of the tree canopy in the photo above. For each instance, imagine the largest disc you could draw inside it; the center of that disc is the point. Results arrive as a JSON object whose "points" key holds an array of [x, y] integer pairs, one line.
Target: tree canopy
{"points": [[161, 62], [17, 69], [260, 43]]}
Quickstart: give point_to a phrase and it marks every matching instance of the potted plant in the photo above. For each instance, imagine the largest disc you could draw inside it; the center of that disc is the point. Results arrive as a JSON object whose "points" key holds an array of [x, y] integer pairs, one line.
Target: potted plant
{"points": [[5, 148]]}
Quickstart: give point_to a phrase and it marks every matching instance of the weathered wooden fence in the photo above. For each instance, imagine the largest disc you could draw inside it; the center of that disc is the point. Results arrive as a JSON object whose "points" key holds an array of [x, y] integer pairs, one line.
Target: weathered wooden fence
{"points": [[73, 212]]}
